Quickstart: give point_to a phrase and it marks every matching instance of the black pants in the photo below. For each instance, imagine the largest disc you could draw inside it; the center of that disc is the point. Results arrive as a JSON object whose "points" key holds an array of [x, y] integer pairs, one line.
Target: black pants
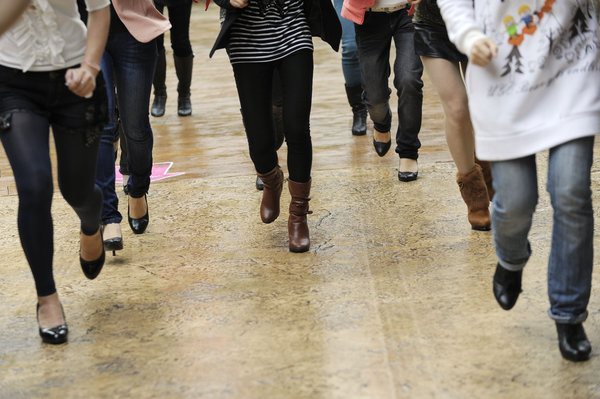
{"points": [[179, 16], [254, 84], [29, 104]]}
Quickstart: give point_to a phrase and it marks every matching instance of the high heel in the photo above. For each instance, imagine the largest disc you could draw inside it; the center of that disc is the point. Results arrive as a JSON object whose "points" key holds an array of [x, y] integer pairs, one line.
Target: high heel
{"points": [[53, 335], [138, 225], [91, 268], [407, 175], [112, 237], [381, 148]]}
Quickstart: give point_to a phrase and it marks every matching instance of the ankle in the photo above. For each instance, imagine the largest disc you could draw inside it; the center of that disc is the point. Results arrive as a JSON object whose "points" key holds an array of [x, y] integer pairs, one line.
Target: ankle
{"points": [[49, 311], [91, 246], [381, 137]]}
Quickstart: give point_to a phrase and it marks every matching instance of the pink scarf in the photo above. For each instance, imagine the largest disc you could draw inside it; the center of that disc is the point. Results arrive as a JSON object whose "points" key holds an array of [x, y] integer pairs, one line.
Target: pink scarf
{"points": [[142, 19]]}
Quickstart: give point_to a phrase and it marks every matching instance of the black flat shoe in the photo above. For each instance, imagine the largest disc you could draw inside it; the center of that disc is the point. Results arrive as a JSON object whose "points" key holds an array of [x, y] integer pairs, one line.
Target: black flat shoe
{"points": [[381, 148], [573, 342], [53, 335], [259, 184], [138, 226], [507, 287], [407, 176]]}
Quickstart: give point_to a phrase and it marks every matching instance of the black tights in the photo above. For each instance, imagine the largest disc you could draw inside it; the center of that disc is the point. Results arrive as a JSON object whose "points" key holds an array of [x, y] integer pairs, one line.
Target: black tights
{"points": [[179, 16], [254, 84], [26, 145]]}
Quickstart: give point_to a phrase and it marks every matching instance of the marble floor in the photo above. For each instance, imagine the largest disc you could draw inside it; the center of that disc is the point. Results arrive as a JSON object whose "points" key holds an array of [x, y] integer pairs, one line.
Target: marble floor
{"points": [[392, 301]]}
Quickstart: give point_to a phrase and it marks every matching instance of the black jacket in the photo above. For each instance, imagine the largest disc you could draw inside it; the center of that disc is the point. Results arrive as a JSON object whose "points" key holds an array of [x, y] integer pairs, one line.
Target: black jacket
{"points": [[322, 20]]}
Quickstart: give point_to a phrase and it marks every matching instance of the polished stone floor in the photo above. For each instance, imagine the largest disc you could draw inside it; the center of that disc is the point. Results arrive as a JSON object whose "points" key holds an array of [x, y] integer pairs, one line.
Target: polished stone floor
{"points": [[392, 301]]}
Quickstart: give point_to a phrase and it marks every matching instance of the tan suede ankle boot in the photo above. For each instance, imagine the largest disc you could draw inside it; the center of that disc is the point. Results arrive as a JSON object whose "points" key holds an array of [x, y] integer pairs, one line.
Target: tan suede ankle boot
{"points": [[273, 184], [297, 225], [474, 193]]}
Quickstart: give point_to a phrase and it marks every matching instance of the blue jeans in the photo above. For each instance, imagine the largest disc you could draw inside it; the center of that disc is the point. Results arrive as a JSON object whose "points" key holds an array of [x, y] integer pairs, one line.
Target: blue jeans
{"points": [[105, 172], [571, 254], [374, 38], [133, 66], [350, 64]]}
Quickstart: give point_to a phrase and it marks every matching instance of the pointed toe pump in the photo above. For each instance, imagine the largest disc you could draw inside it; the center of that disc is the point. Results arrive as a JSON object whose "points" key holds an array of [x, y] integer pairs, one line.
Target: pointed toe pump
{"points": [[382, 147], [91, 268], [138, 225], [53, 335]]}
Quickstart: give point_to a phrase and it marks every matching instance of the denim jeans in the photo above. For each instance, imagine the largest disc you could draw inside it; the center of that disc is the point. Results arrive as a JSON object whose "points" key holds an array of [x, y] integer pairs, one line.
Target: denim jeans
{"points": [[374, 38], [133, 66], [105, 172], [179, 16], [571, 254], [350, 64]]}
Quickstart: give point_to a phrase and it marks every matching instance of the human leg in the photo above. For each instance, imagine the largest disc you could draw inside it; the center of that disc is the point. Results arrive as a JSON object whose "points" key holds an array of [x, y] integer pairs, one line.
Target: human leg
{"points": [[182, 54], [160, 74], [134, 70], [297, 75], [105, 174], [408, 71], [253, 81], [446, 78], [351, 70], [373, 40], [571, 254], [515, 182]]}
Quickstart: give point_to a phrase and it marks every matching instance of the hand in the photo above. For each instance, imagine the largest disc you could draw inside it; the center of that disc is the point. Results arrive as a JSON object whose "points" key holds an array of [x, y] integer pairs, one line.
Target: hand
{"points": [[414, 2], [483, 51], [81, 81], [238, 3]]}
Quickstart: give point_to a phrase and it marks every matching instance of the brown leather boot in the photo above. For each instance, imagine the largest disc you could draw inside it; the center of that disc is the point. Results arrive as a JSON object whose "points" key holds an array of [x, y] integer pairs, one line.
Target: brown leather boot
{"points": [[297, 226], [474, 193], [487, 176], [273, 184]]}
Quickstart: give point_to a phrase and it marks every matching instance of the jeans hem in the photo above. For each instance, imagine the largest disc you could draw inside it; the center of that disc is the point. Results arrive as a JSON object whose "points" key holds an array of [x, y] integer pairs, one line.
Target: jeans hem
{"points": [[568, 319]]}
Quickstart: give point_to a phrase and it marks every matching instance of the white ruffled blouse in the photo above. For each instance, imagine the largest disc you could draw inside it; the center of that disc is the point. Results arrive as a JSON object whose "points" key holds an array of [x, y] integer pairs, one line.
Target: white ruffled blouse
{"points": [[48, 36]]}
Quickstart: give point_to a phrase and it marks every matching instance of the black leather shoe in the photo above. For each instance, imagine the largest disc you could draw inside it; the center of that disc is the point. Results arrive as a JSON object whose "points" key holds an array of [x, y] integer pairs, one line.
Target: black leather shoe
{"points": [[573, 342], [115, 242], [53, 335], [507, 287], [138, 226], [184, 105], [259, 184], [381, 148], [407, 176], [158, 105]]}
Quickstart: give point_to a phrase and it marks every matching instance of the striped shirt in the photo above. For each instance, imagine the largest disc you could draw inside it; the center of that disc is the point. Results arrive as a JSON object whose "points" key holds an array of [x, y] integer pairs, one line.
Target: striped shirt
{"points": [[263, 38]]}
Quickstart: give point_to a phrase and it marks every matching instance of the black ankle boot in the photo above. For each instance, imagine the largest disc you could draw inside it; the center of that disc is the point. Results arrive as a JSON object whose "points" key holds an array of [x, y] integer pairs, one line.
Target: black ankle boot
{"points": [[359, 110], [573, 342], [160, 89], [507, 287], [183, 69]]}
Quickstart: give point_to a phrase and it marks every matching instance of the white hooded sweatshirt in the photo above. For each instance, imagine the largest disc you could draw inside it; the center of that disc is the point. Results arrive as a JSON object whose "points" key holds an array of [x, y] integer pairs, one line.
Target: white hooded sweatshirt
{"points": [[543, 88]]}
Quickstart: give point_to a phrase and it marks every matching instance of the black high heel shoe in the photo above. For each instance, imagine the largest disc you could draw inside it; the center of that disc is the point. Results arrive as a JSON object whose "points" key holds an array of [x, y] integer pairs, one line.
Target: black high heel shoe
{"points": [[573, 342], [53, 335], [114, 243], [138, 225], [381, 148], [92, 268], [507, 287]]}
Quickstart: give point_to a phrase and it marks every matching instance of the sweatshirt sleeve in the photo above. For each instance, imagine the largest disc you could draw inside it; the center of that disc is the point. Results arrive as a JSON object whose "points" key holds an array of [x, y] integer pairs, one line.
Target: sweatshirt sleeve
{"points": [[463, 30]]}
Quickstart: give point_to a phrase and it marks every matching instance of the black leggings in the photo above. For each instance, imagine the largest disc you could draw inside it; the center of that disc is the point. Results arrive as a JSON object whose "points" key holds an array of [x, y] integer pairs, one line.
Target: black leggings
{"points": [[254, 84], [26, 144], [179, 16]]}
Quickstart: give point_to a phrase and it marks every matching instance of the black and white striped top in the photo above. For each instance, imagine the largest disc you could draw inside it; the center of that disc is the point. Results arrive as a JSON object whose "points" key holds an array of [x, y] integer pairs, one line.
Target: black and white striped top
{"points": [[263, 38]]}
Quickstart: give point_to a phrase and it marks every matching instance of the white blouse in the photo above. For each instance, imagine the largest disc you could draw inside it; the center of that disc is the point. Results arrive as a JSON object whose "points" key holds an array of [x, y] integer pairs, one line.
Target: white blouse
{"points": [[48, 36]]}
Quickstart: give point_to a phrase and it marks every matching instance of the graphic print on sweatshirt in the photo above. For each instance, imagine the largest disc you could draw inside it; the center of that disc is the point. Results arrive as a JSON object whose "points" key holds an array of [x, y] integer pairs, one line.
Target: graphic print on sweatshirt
{"points": [[543, 40]]}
